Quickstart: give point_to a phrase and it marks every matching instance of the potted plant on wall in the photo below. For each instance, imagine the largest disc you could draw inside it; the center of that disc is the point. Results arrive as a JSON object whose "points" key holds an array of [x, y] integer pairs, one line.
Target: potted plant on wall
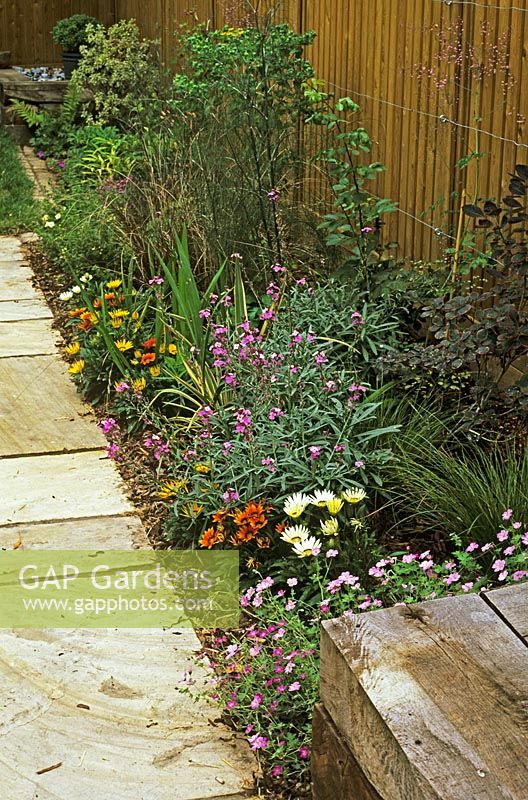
{"points": [[70, 33]]}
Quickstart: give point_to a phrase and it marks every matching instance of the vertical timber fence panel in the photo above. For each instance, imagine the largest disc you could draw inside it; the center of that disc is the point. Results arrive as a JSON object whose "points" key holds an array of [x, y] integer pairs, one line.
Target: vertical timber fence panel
{"points": [[25, 26], [442, 86]]}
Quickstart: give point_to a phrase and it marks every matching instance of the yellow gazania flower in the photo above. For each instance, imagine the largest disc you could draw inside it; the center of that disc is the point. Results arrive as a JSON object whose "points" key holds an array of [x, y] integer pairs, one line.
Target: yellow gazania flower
{"points": [[138, 384], [161, 349], [114, 284], [119, 313], [330, 526], [116, 323], [202, 468], [135, 315], [192, 511], [124, 344], [137, 353], [170, 488], [77, 367], [155, 371], [172, 349], [335, 505], [73, 348]]}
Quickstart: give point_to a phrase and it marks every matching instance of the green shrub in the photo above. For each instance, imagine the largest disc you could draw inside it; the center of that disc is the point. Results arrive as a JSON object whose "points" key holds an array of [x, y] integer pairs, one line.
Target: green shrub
{"points": [[72, 32], [122, 71]]}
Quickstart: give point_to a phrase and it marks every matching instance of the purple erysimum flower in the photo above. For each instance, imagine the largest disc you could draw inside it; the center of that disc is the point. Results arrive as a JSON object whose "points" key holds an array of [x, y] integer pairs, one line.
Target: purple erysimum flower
{"points": [[41, 154], [314, 451], [205, 313], [275, 413], [107, 425], [273, 195], [112, 450], [122, 386], [294, 687], [230, 495], [157, 280]]}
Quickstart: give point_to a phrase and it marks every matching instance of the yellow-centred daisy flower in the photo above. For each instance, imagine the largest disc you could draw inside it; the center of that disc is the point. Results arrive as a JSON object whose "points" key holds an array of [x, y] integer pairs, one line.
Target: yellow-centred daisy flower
{"points": [[73, 348], [170, 488], [119, 313], [321, 497], [77, 367], [308, 547], [124, 344], [202, 468], [353, 495], [296, 504], [295, 534]]}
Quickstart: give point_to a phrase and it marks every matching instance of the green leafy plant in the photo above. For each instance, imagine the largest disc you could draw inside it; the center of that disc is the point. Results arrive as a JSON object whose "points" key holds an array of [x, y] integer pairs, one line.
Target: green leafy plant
{"points": [[122, 71], [53, 132], [72, 32]]}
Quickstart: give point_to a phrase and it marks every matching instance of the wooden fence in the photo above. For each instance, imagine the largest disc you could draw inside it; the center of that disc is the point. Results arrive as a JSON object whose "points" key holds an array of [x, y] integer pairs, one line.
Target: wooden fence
{"points": [[437, 80]]}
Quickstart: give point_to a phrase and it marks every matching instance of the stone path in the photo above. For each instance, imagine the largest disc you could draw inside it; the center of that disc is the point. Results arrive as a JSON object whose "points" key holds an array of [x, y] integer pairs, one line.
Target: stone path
{"points": [[139, 738]]}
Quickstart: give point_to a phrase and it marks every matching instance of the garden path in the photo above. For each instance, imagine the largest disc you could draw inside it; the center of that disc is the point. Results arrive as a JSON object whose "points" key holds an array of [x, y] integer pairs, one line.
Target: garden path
{"points": [[101, 707]]}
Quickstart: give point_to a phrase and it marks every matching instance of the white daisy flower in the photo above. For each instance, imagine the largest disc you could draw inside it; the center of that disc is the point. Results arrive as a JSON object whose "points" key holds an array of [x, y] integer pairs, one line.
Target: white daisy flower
{"points": [[353, 495], [65, 295], [295, 505], [308, 547], [321, 497], [76, 289], [295, 534]]}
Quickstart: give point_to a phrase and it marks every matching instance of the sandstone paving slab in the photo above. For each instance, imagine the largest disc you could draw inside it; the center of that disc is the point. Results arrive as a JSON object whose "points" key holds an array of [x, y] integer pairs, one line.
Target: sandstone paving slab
{"points": [[15, 310], [139, 739], [62, 486], [27, 338], [18, 286], [103, 533], [40, 410], [102, 706]]}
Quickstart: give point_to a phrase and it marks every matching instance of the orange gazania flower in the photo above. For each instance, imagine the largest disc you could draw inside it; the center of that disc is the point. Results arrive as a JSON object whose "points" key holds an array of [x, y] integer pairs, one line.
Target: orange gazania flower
{"points": [[254, 515], [280, 528], [109, 296], [209, 538], [97, 303], [76, 312], [148, 358], [149, 344], [220, 515]]}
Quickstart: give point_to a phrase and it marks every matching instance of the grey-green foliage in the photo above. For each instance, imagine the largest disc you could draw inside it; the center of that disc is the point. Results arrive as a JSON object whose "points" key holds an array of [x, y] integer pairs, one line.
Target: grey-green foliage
{"points": [[122, 71]]}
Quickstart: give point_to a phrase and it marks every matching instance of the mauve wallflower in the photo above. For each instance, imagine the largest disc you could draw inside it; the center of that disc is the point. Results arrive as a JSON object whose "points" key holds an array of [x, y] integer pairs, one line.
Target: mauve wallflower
{"points": [[157, 280], [273, 195], [314, 451], [107, 425]]}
